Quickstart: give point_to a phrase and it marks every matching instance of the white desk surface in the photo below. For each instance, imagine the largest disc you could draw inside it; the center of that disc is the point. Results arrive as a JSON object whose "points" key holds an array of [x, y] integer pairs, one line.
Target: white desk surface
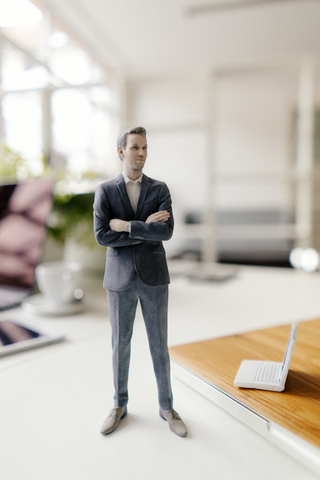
{"points": [[54, 399]]}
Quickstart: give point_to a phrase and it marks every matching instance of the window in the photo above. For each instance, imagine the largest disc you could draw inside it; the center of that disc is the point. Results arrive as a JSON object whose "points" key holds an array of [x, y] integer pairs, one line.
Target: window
{"points": [[80, 130], [22, 124], [52, 88]]}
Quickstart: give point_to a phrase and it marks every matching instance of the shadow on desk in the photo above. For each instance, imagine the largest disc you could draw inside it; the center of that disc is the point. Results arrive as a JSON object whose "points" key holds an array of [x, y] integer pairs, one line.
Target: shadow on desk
{"points": [[301, 384]]}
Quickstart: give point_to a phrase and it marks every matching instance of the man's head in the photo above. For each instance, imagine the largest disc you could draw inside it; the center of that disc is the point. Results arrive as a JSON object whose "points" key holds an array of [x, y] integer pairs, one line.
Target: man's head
{"points": [[123, 136], [132, 150]]}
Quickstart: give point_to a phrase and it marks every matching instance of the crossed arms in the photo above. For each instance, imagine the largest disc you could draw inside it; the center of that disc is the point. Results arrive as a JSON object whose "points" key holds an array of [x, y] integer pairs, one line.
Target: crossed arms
{"points": [[111, 232], [120, 225]]}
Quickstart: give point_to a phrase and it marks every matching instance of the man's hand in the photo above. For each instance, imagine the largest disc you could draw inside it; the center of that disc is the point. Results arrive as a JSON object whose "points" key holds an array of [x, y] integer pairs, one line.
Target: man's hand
{"points": [[162, 216], [118, 225]]}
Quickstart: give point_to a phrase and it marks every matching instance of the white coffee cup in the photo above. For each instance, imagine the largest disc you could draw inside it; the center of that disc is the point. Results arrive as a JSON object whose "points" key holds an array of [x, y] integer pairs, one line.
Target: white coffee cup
{"points": [[58, 281]]}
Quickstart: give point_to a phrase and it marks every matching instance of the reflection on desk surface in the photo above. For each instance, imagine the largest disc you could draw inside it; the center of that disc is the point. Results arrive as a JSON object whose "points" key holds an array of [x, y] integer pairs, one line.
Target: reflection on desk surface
{"points": [[11, 332]]}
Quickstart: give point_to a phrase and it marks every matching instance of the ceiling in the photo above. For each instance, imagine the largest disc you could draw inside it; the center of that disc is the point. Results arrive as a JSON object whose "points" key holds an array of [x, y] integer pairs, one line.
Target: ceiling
{"points": [[154, 35]]}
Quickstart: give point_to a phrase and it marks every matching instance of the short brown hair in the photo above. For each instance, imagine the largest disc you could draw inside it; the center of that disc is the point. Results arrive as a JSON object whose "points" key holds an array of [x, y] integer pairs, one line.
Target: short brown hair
{"points": [[122, 138]]}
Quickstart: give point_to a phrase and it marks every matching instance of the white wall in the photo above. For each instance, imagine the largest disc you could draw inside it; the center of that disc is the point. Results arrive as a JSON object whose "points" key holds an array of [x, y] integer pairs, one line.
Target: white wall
{"points": [[254, 124], [254, 138], [253, 143], [172, 111]]}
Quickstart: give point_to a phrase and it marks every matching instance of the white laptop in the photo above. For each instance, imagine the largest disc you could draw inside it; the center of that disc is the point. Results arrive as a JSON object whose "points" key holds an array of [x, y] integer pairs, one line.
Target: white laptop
{"points": [[263, 375], [295, 446]]}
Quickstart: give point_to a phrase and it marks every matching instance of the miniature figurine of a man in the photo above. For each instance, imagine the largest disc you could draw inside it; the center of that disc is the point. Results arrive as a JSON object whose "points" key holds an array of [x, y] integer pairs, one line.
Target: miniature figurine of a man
{"points": [[132, 216]]}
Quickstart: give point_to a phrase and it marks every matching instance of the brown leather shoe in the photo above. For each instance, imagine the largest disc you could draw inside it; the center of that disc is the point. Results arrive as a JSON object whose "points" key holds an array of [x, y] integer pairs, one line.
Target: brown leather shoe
{"points": [[113, 419], [175, 423]]}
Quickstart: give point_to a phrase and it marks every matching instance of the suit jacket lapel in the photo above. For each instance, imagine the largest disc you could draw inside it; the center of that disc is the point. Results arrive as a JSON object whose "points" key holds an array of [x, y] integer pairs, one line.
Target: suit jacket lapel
{"points": [[124, 195], [143, 194]]}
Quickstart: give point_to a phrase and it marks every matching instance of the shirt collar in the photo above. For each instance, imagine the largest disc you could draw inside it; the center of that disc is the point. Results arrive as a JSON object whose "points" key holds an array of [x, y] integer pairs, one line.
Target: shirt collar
{"points": [[127, 179]]}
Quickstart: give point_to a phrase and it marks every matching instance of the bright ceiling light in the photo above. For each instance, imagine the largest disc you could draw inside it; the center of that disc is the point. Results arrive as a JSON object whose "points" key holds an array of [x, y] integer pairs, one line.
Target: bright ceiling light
{"points": [[307, 259], [225, 5], [58, 39], [14, 13], [310, 260], [295, 257]]}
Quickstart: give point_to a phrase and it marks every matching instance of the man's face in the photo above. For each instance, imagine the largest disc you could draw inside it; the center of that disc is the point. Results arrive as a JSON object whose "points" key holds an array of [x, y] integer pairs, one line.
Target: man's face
{"points": [[135, 154]]}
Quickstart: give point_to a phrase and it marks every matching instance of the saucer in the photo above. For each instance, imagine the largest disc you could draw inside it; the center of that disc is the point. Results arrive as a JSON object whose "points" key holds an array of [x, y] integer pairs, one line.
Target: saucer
{"points": [[37, 304]]}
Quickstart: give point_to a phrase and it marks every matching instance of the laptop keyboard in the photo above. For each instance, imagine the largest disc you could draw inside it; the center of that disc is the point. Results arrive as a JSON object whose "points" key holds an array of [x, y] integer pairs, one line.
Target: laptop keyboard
{"points": [[267, 372]]}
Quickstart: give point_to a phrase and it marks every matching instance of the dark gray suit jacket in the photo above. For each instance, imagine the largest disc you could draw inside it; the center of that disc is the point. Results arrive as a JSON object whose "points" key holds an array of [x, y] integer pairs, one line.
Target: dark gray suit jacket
{"points": [[141, 251]]}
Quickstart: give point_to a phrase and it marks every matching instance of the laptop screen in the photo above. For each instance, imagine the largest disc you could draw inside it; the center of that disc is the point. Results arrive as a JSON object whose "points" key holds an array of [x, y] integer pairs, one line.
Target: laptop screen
{"points": [[24, 210], [289, 350]]}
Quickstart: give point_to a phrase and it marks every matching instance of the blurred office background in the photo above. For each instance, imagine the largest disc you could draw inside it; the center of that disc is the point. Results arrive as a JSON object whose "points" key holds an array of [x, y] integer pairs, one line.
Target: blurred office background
{"points": [[229, 94]]}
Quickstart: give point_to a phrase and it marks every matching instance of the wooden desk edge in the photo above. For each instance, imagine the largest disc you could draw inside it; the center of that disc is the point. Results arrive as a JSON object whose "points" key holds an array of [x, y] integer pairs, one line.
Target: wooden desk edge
{"points": [[217, 365]]}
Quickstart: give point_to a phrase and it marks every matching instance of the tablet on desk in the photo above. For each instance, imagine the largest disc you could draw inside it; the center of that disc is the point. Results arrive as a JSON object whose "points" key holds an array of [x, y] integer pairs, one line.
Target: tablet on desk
{"points": [[16, 335]]}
